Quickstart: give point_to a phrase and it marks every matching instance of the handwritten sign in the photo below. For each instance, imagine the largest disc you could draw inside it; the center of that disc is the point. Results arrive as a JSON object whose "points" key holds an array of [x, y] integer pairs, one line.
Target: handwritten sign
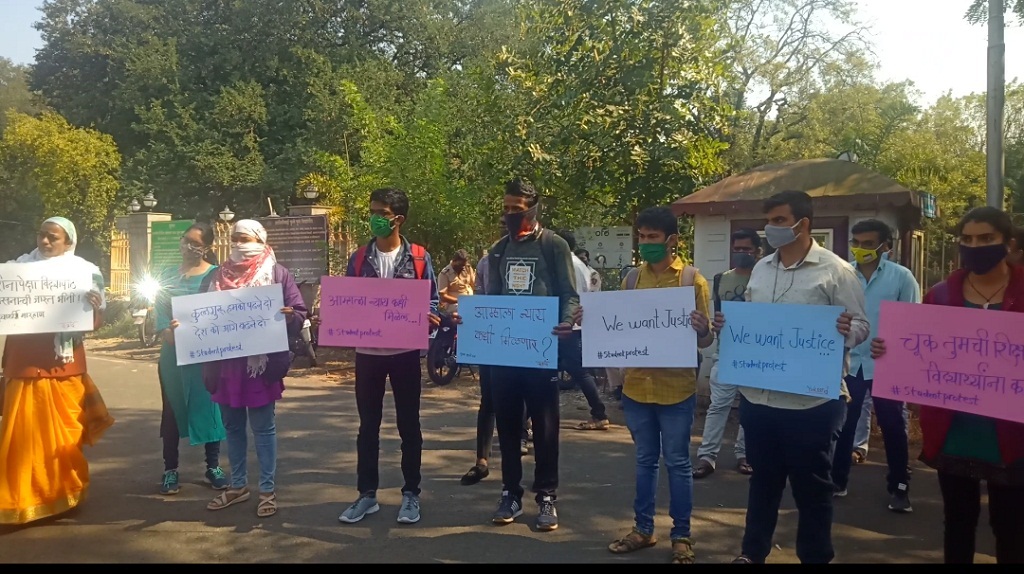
{"points": [[968, 360], [229, 324], [369, 312], [508, 331], [790, 348], [639, 328], [44, 297]]}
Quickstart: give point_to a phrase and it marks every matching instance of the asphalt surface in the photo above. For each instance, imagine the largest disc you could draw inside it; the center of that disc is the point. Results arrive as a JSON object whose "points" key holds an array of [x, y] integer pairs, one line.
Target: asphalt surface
{"points": [[125, 519]]}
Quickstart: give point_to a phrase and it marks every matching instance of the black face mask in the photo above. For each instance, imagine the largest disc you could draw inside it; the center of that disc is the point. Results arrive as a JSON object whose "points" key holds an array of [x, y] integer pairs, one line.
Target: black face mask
{"points": [[981, 260], [742, 260], [515, 222]]}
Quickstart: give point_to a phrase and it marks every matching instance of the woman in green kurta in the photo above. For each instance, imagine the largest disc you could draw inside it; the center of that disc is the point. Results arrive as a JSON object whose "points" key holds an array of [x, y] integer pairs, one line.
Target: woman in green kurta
{"points": [[188, 411]]}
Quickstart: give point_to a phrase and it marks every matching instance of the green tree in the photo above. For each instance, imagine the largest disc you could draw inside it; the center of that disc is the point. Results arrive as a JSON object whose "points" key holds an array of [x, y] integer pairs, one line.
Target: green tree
{"points": [[14, 92], [977, 13]]}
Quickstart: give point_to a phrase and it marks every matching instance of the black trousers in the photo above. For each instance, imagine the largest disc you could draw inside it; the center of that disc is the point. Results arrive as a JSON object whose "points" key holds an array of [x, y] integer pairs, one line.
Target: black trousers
{"points": [[485, 416], [894, 432], [171, 437], [372, 373], [794, 445], [510, 389], [961, 506], [570, 360]]}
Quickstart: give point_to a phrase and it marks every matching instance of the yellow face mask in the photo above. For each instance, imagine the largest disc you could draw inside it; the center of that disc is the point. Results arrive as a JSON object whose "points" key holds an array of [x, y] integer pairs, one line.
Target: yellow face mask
{"points": [[864, 256]]}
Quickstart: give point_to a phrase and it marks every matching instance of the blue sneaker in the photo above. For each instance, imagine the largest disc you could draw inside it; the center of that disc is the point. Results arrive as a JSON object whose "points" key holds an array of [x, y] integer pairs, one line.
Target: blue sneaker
{"points": [[409, 513], [365, 504], [170, 484], [216, 478]]}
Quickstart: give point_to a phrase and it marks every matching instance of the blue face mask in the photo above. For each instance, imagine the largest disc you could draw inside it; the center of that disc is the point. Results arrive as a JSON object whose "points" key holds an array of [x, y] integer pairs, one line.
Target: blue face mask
{"points": [[780, 236]]}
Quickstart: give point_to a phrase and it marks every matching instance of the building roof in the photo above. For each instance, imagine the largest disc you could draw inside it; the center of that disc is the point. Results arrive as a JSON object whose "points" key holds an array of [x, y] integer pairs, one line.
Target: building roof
{"points": [[839, 181]]}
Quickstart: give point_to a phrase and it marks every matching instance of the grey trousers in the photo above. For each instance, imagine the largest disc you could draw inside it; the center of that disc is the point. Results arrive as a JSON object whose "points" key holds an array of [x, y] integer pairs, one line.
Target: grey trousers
{"points": [[722, 397]]}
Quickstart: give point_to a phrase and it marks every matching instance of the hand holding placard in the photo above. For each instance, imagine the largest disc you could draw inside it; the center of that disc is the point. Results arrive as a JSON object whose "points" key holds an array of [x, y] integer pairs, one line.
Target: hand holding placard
{"points": [[640, 328]]}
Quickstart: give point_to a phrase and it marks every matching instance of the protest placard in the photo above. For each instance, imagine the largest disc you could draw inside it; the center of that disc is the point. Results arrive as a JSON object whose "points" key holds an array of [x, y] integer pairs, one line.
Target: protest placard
{"points": [[967, 360], [508, 331], [639, 328], [44, 297], [779, 347], [229, 324], [370, 312]]}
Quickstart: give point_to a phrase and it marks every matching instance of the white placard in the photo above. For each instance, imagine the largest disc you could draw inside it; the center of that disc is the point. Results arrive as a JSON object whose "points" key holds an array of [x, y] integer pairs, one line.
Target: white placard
{"points": [[44, 297], [639, 328], [229, 324]]}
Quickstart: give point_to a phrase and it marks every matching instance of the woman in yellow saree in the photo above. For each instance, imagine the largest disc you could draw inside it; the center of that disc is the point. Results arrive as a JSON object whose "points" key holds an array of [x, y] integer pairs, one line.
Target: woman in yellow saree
{"points": [[51, 408]]}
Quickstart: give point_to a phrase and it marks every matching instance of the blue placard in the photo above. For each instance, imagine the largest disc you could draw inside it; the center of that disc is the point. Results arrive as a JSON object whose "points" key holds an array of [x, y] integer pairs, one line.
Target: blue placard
{"points": [[508, 331], [779, 347]]}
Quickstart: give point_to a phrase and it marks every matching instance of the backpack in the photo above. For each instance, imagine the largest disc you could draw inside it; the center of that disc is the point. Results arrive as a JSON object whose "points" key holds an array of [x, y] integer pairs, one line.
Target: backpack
{"points": [[419, 259], [686, 279]]}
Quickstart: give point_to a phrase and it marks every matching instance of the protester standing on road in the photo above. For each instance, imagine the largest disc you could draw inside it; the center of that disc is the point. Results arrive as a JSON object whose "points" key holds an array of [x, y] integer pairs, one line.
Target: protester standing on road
{"points": [[549, 263], [570, 349], [659, 403], [389, 255], [790, 436], [965, 448], [50, 405], [882, 280], [745, 251], [247, 388], [188, 410]]}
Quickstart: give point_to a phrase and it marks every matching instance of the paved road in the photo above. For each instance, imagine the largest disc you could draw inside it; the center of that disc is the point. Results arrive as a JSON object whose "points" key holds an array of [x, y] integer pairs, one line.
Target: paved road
{"points": [[126, 520]]}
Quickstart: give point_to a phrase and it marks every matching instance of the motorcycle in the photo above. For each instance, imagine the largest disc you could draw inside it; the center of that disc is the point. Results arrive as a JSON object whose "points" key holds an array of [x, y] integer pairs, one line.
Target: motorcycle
{"points": [[306, 343], [442, 363], [144, 317]]}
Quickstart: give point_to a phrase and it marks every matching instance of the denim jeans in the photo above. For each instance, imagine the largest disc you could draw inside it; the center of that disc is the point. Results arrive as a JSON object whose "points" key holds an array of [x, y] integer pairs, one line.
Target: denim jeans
{"points": [[863, 436], [722, 397], [264, 431], [662, 430]]}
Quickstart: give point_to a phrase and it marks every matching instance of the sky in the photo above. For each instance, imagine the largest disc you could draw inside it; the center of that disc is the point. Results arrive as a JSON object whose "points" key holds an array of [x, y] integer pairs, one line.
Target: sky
{"points": [[926, 41]]}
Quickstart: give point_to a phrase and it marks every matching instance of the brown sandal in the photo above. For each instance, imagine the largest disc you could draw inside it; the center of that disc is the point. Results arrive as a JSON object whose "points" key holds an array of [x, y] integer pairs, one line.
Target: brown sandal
{"points": [[593, 425], [703, 469], [743, 467], [682, 551], [267, 506], [632, 542], [227, 498]]}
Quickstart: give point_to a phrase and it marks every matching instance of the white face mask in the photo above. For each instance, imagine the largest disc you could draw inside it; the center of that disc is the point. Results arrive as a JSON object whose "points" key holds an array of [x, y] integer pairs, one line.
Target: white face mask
{"points": [[242, 251]]}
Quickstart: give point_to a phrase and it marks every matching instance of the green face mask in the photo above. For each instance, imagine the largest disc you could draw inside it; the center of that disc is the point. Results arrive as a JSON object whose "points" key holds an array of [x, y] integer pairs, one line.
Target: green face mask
{"points": [[653, 252], [380, 226]]}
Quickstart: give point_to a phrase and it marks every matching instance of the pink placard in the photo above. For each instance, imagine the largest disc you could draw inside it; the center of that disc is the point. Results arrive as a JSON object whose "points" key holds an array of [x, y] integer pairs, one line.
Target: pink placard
{"points": [[377, 313], [966, 360]]}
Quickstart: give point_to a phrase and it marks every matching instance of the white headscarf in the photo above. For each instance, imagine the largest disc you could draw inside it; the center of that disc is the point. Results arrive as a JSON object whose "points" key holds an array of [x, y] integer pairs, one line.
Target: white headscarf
{"points": [[64, 343], [249, 265]]}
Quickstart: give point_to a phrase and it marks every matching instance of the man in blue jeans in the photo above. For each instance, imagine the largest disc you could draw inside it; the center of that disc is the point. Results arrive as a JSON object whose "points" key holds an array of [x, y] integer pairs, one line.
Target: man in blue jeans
{"points": [[659, 403], [882, 280]]}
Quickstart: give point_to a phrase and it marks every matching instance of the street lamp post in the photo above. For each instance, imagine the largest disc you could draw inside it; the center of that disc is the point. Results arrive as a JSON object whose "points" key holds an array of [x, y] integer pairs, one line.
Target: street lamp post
{"points": [[226, 215], [311, 193], [134, 206], [994, 103], [149, 201]]}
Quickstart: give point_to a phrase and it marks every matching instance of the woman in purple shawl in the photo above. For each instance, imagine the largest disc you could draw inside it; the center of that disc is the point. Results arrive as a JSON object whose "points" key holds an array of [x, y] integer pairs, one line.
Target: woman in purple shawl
{"points": [[247, 388]]}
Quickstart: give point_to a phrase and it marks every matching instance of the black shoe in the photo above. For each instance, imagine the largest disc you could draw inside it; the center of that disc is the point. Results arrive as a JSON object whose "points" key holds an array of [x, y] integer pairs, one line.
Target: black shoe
{"points": [[475, 475], [510, 507], [900, 500], [547, 516]]}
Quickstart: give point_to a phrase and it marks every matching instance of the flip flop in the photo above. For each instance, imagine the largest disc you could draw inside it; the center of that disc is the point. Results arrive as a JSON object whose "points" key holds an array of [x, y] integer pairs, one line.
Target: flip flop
{"points": [[703, 469], [743, 467]]}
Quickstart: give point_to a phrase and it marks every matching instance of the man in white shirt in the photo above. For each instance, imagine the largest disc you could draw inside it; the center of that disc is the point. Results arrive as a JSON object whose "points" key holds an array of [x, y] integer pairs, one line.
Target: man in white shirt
{"points": [[570, 349], [790, 436]]}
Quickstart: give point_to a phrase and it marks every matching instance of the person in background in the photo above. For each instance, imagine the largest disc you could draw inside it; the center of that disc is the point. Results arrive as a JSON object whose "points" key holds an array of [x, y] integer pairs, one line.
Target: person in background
{"points": [[457, 278], [248, 388], [51, 407], [791, 437], [595, 277], [570, 349], [1016, 256], [745, 251], [188, 410], [659, 403], [966, 449]]}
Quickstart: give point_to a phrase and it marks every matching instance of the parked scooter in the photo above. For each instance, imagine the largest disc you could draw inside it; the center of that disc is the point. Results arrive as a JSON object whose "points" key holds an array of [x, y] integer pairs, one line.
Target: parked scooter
{"points": [[143, 314]]}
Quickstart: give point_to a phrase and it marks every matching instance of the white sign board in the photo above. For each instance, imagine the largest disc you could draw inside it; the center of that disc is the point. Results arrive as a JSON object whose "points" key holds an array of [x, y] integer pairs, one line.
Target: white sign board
{"points": [[609, 247], [44, 297], [639, 328], [229, 324]]}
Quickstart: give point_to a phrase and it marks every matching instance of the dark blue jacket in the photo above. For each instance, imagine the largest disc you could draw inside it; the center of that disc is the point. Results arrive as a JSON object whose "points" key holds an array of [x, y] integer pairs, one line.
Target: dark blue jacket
{"points": [[404, 268]]}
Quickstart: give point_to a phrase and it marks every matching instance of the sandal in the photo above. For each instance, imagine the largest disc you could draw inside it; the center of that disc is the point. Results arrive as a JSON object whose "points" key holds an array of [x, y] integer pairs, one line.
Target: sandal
{"points": [[741, 559], [682, 551], [632, 542], [227, 498], [267, 506], [593, 425], [859, 456], [475, 475], [703, 469], [743, 467]]}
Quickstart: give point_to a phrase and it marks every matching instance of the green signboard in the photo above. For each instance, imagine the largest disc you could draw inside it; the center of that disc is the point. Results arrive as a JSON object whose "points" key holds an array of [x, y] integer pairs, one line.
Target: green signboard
{"points": [[165, 246]]}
